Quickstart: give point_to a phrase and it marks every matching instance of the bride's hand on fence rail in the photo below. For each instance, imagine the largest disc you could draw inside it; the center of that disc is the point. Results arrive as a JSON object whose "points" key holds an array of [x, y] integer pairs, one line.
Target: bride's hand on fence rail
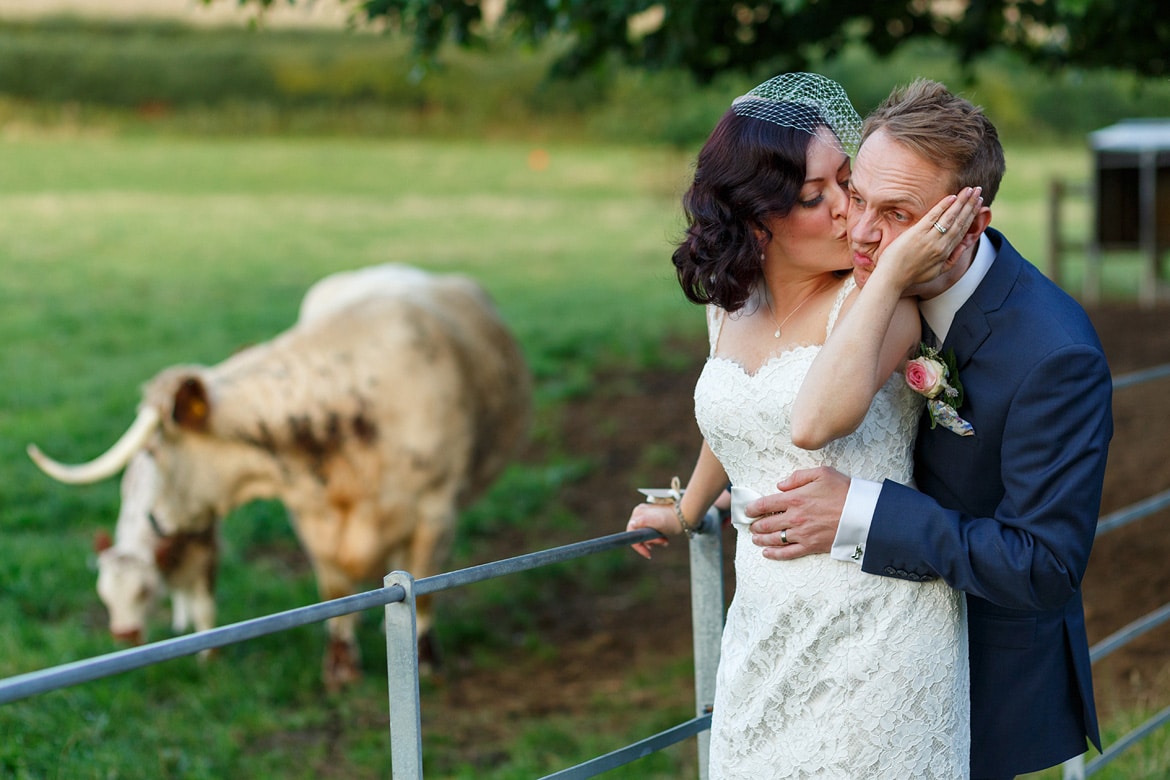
{"points": [[660, 517]]}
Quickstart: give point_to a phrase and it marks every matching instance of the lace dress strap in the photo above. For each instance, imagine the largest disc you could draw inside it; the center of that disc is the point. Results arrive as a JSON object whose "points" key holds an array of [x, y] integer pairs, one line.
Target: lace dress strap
{"points": [[847, 286], [715, 317]]}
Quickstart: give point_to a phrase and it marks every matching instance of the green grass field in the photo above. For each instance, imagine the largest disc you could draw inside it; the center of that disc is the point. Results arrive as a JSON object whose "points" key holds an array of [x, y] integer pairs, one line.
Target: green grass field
{"points": [[125, 255]]}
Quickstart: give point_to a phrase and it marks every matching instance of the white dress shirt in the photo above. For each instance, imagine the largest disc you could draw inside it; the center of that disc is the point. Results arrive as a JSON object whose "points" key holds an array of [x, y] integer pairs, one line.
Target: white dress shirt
{"points": [[939, 312]]}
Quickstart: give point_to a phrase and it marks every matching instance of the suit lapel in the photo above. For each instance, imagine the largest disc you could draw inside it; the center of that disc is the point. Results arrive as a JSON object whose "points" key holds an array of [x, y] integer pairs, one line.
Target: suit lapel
{"points": [[967, 334], [971, 327]]}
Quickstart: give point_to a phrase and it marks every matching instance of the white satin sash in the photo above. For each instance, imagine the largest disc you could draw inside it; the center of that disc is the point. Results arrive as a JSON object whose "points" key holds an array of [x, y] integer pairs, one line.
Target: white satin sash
{"points": [[741, 497]]}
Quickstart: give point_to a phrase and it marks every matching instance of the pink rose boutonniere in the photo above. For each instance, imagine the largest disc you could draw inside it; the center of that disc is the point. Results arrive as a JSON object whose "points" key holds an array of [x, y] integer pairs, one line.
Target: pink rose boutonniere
{"points": [[934, 376]]}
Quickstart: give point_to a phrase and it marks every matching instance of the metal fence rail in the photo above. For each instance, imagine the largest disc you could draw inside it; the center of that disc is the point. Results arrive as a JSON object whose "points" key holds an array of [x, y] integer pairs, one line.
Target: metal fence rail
{"points": [[1135, 511], [707, 621], [633, 752], [1076, 768], [398, 596], [1137, 377], [45, 680]]}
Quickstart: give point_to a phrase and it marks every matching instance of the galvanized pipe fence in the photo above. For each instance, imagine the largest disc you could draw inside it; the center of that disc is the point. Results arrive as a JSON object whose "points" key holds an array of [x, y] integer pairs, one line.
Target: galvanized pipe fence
{"points": [[706, 550], [1077, 768], [397, 596], [400, 590]]}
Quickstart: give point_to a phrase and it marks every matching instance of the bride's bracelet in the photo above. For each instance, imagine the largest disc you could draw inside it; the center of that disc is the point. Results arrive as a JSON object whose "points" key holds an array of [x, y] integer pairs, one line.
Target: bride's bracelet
{"points": [[672, 496], [690, 532]]}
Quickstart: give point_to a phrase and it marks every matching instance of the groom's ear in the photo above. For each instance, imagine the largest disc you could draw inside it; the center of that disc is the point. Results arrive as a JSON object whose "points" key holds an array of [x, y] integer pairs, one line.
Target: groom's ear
{"points": [[971, 237]]}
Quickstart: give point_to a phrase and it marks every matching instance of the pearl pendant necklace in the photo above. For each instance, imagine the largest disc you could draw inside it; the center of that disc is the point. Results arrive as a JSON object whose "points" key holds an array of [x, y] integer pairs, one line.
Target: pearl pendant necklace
{"points": [[780, 325]]}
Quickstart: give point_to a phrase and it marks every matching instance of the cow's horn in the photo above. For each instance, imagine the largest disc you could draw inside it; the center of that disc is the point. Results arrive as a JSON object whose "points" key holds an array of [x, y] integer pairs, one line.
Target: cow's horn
{"points": [[109, 462]]}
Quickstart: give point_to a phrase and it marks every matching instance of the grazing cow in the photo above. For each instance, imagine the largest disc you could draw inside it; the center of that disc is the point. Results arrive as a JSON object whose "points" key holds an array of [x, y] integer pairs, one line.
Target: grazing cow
{"points": [[140, 564], [395, 400]]}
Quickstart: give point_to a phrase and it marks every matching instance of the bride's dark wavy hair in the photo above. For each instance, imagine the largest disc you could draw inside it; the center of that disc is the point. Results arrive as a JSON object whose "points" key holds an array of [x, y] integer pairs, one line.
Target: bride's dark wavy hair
{"points": [[749, 170]]}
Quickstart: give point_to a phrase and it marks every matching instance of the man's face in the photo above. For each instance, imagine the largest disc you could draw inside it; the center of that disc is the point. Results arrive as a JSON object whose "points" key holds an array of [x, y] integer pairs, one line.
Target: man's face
{"points": [[890, 190]]}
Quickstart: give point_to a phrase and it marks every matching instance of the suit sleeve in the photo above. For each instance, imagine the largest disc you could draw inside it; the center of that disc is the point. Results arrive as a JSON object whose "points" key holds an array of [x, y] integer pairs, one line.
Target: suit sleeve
{"points": [[1032, 553]]}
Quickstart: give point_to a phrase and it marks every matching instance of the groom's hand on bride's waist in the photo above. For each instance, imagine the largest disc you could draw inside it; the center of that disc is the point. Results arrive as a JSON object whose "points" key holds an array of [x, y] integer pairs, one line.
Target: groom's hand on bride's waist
{"points": [[802, 518]]}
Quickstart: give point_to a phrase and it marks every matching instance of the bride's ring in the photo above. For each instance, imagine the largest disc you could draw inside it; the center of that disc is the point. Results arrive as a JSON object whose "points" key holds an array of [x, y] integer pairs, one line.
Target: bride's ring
{"points": [[939, 228], [784, 536]]}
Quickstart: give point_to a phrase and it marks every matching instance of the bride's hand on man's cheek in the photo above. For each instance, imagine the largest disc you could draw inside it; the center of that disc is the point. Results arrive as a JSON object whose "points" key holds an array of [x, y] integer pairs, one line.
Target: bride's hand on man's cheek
{"points": [[931, 246]]}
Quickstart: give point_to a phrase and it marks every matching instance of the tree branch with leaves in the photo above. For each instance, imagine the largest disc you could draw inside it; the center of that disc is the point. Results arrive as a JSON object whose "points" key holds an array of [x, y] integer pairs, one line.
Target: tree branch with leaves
{"points": [[710, 37]]}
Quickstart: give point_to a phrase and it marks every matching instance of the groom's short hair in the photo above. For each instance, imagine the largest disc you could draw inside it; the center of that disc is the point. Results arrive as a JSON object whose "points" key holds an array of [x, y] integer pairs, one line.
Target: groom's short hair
{"points": [[944, 128]]}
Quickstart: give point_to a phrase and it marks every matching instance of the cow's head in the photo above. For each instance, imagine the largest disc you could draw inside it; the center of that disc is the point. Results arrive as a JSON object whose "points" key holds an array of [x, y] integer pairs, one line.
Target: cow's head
{"points": [[129, 584], [172, 431], [129, 580]]}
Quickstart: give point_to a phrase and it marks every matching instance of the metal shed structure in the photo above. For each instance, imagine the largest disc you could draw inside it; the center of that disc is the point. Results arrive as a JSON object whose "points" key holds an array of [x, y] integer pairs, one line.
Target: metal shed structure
{"points": [[1130, 200]]}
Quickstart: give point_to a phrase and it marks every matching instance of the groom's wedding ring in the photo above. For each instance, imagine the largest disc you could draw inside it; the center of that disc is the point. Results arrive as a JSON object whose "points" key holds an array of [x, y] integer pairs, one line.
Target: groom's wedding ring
{"points": [[939, 228], [784, 536]]}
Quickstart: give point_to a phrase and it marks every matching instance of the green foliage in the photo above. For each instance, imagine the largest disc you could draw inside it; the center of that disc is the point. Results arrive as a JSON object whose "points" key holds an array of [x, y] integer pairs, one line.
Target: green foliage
{"points": [[707, 38], [156, 72], [76, 77], [129, 65]]}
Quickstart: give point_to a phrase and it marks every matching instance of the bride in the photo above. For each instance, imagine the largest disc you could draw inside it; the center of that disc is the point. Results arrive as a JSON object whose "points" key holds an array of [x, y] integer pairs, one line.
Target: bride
{"points": [[824, 671]]}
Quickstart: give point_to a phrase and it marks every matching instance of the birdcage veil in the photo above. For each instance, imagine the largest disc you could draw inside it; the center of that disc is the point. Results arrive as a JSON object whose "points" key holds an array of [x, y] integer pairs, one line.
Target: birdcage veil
{"points": [[785, 100]]}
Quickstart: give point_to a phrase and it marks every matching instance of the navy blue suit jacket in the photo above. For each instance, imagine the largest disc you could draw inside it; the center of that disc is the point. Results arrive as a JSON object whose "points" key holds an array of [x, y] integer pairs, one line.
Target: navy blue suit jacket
{"points": [[1008, 515]]}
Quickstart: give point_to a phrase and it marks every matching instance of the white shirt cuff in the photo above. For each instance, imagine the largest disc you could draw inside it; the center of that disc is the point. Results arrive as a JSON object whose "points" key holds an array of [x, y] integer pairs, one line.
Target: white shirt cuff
{"points": [[856, 517]]}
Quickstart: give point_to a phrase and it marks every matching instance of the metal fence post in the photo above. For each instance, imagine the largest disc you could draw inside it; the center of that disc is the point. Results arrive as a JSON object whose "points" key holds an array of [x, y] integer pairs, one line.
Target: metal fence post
{"points": [[1055, 240], [402, 681], [1074, 768], [706, 619], [1148, 227], [1091, 279]]}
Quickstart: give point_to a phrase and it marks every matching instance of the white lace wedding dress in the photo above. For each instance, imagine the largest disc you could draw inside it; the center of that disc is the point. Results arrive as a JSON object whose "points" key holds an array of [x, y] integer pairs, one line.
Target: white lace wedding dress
{"points": [[826, 671]]}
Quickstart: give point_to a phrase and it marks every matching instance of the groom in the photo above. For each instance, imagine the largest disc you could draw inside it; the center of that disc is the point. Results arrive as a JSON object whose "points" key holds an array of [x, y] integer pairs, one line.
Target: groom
{"points": [[1008, 513]]}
